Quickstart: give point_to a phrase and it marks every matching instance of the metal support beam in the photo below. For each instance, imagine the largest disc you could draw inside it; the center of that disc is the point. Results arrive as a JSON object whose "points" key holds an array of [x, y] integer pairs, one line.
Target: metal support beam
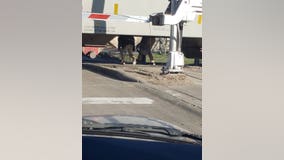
{"points": [[175, 61]]}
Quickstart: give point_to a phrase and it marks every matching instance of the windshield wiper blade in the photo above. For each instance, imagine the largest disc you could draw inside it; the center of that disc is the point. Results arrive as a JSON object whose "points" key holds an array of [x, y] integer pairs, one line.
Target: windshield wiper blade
{"points": [[148, 132], [192, 136], [144, 129], [161, 130], [177, 133], [113, 129], [135, 129], [91, 127]]}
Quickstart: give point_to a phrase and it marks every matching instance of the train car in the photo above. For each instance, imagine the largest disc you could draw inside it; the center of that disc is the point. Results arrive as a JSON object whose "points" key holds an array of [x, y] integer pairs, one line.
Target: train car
{"points": [[104, 20]]}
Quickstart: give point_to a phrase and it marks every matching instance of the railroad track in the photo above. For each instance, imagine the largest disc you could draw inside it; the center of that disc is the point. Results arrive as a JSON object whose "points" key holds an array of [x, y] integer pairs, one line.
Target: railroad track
{"points": [[193, 76]]}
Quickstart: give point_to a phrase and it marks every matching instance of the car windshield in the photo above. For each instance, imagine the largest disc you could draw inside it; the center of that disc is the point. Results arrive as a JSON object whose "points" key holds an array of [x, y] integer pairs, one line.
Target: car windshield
{"points": [[142, 73], [143, 62]]}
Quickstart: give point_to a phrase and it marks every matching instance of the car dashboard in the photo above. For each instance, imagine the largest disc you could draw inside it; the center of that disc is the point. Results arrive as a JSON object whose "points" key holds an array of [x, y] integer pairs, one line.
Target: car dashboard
{"points": [[111, 148]]}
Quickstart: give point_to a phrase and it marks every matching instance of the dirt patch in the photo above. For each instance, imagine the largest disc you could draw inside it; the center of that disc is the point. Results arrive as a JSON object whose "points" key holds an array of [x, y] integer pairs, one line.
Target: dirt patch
{"points": [[151, 74], [155, 77], [195, 69]]}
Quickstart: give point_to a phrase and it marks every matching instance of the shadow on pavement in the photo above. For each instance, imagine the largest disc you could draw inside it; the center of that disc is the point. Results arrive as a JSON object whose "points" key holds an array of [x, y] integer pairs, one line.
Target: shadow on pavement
{"points": [[110, 73]]}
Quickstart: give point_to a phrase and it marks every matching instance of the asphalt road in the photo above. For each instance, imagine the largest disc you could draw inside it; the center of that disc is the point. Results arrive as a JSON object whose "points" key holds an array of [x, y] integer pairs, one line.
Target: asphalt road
{"points": [[106, 96]]}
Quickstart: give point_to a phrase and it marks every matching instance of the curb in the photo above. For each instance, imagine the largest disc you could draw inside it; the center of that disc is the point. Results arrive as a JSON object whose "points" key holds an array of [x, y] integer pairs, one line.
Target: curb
{"points": [[147, 87], [172, 99]]}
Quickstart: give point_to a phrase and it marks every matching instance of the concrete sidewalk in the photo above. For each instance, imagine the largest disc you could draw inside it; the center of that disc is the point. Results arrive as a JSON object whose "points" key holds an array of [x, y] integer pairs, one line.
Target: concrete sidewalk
{"points": [[183, 90]]}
